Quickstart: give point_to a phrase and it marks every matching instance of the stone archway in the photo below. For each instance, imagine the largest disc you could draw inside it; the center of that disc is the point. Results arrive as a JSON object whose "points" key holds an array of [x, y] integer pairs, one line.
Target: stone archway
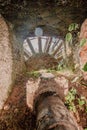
{"points": [[40, 45], [43, 52]]}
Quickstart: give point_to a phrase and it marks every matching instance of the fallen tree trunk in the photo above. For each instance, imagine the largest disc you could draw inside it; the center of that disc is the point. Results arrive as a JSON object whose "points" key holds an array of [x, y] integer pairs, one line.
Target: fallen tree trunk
{"points": [[51, 113]]}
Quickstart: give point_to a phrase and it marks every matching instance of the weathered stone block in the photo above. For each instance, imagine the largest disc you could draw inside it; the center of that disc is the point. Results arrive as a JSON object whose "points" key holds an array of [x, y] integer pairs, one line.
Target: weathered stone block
{"points": [[83, 49], [11, 61]]}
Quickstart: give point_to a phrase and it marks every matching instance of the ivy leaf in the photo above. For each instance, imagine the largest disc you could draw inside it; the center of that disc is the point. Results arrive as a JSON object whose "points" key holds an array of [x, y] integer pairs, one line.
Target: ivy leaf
{"points": [[81, 102], [68, 37], [73, 26], [76, 26], [85, 129], [85, 67], [83, 41]]}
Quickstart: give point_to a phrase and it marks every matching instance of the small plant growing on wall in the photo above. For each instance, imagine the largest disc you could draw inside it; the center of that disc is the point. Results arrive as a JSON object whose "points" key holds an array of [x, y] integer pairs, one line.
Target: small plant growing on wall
{"points": [[85, 67], [70, 45], [70, 100], [75, 102]]}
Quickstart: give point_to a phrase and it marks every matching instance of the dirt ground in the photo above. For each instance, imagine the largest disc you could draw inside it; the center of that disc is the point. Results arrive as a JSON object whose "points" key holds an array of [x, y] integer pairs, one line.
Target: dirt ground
{"points": [[17, 116]]}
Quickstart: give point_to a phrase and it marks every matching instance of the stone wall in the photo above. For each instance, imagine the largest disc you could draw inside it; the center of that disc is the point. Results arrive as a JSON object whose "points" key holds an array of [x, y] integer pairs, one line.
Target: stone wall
{"points": [[53, 20], [53, 17], [83, 49]]}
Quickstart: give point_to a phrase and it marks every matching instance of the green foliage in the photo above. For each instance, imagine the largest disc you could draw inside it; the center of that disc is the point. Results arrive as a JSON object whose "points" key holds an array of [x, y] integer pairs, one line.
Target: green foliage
{"points": [[50, 71], [34, 74], [68, 37], [86, 109], [85, 67], [60, 67], [73, 91], [70, 99], [85, 129], [73, 26], [81, 102], [71, 95], [83, 41], [72, 107]]}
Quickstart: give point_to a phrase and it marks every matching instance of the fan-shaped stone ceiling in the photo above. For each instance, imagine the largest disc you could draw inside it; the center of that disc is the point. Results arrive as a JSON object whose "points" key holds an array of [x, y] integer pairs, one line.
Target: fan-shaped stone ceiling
{"points": [[53, 16]]}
